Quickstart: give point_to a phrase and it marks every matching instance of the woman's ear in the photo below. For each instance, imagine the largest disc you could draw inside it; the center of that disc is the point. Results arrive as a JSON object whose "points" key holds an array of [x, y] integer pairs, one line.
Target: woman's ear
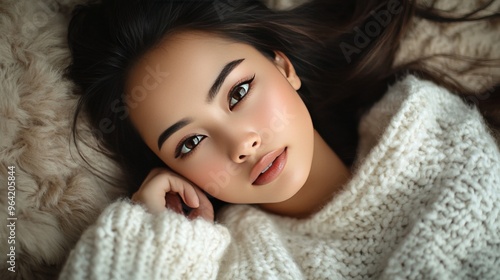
{"points": [[286, 68]]}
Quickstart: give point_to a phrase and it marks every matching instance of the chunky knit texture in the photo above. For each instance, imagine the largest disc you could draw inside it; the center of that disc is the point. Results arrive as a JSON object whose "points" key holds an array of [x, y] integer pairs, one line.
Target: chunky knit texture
{"points": [[423, 203]]}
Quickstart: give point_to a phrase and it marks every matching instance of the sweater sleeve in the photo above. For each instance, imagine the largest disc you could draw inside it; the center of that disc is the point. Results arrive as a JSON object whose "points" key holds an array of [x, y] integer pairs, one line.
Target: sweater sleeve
{"points": [[127, 242]]}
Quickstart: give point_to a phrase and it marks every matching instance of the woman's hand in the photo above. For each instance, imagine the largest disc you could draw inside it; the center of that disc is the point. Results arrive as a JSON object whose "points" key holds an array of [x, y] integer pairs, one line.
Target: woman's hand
{"points": [[163, 189]]}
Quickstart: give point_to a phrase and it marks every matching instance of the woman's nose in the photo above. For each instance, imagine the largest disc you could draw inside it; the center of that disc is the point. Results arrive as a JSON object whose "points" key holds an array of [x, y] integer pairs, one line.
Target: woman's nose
{"points": [[245, 147]]}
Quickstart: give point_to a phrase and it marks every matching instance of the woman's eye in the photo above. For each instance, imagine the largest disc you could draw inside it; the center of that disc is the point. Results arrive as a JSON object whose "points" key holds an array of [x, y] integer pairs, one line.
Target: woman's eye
{"points": [[239, 92], [188, 145]]}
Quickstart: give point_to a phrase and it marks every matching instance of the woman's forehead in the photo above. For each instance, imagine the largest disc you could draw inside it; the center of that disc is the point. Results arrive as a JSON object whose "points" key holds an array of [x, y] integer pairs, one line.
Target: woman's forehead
{"points": [[187, 53]]}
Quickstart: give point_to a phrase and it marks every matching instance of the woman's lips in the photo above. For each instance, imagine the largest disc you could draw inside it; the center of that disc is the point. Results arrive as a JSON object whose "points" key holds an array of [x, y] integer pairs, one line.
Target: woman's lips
{"points": [[268, 167]]}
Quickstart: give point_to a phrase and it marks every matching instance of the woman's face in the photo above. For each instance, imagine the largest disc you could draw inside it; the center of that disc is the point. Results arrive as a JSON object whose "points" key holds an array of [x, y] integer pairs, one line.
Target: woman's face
{"points": [[219, 113]]}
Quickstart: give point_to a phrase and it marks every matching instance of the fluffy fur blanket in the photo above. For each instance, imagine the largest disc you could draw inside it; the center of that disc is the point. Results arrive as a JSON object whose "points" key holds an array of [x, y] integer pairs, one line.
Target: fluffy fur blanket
{"points": [[56, 196]]}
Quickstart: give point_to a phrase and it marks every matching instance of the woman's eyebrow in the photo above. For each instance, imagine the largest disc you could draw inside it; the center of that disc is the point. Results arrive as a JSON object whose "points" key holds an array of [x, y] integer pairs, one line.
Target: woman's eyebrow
{"points": [[171, 130], [214, 89]]}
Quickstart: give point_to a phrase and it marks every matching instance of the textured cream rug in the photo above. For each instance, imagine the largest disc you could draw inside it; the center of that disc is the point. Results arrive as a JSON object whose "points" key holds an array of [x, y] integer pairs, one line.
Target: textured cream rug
{"points": [[56, 196]]}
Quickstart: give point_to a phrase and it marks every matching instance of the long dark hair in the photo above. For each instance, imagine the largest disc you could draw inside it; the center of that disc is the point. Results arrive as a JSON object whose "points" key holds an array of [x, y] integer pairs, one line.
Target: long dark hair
{"points": [[343, 72]]}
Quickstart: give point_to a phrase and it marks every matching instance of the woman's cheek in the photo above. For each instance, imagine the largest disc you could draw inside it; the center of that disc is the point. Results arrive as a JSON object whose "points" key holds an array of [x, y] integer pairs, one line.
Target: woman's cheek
{"points": [[213, 177], [276, 114]]}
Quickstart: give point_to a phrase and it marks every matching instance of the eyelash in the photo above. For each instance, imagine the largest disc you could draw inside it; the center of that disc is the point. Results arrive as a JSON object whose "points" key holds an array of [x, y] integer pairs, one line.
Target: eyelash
{"points": [[239, 84], [200, 138], [180, 146]]}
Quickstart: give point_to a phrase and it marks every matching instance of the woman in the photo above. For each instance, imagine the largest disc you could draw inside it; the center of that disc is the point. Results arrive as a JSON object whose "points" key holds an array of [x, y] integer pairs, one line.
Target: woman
{"points": [[244, 105]]}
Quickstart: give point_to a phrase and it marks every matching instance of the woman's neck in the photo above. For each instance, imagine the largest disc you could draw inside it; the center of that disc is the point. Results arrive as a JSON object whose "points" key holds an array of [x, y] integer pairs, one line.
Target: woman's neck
{"points": [[327, 176]]}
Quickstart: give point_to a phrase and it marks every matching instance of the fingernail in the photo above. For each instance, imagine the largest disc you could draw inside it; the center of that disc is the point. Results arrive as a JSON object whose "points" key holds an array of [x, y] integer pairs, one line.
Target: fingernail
{"points": [[196, 203]]}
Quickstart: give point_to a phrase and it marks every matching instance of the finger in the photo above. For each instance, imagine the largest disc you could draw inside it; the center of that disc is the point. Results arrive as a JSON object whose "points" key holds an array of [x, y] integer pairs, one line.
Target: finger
{"points": [[152, 192], [185, 189], [205, 210], [161, 181], [152, 174], [176, 184], [173, 201]]}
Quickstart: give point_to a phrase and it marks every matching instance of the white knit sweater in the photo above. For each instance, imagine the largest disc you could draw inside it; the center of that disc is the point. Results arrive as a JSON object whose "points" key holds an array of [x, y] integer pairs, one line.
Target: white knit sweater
{"points": [[423, 203]]}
